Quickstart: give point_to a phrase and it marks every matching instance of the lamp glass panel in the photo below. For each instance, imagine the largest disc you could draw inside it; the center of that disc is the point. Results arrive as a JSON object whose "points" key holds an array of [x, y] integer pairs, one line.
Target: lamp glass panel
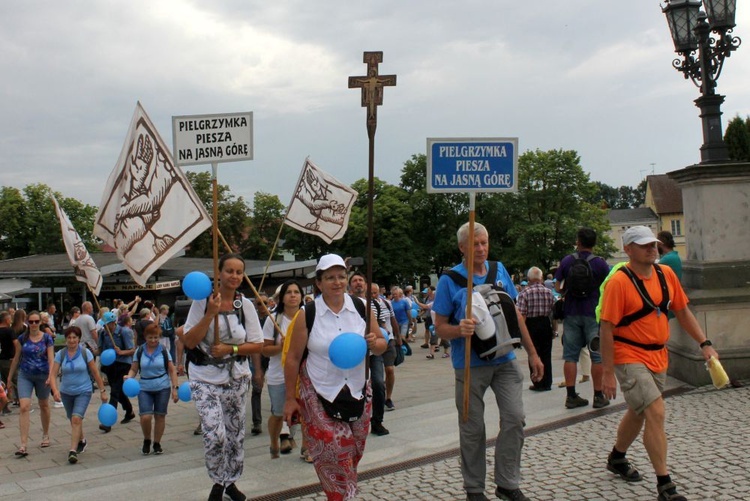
{"points": [[721, 13]]}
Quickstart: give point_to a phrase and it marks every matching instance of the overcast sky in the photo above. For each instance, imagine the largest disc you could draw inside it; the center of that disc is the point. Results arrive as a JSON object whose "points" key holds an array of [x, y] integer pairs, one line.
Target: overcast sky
{"points": [[588, 75]]}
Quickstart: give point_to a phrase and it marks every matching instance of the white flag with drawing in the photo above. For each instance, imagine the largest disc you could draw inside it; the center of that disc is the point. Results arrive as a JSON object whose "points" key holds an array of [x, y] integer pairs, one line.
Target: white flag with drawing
{"points": [[149, 211], [321, 204], [85, 267]]}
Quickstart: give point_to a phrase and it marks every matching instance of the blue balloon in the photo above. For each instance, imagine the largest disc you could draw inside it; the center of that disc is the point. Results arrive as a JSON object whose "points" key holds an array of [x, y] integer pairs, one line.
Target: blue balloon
{"points": [[197, 285], [404, 348], [384, 332], [131, 387], [107, 415], [183, 392], [347, 350], [108, 357]]}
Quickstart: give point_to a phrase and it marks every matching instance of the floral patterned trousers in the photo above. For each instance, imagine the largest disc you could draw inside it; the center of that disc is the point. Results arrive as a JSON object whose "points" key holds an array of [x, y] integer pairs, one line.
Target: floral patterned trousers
{"points": [[335, 447], [222, 412]]}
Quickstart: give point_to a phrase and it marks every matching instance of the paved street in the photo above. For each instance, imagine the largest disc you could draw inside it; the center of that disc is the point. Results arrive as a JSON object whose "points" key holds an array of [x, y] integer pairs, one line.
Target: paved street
{"points": [[563, 457]]}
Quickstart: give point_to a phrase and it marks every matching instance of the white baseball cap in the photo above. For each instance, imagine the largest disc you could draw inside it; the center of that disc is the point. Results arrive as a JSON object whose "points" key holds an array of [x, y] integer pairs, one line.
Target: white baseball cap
{"points": [[329, 261], [639, 235], [485, 326]]}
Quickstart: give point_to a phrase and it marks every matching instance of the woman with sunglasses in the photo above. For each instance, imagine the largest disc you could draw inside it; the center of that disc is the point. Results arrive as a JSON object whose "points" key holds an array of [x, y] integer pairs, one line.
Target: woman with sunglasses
{"points": [[220, 373], [33, 359]]}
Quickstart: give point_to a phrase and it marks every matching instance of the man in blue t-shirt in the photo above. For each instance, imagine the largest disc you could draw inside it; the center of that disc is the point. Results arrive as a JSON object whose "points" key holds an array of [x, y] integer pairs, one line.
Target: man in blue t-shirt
{"points": [[502, 375], [580, 326]]}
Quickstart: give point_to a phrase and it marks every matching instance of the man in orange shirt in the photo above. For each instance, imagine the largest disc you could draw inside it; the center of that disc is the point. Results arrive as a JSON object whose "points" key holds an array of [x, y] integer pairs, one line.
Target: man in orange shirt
{"points": [[634, 332]]}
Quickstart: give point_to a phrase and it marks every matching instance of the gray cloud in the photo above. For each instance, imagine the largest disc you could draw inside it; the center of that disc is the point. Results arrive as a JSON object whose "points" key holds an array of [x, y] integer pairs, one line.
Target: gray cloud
{"points": [[586, 75]]}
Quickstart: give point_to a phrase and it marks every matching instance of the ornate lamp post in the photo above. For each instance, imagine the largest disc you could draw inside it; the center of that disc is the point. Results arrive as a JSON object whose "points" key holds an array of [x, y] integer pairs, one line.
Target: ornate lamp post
{"points": [[704, 40]]}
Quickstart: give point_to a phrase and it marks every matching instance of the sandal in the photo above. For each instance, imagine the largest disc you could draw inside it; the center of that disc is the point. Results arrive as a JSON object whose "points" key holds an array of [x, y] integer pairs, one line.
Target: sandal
{"points": [[668, 492], [304, 456], [625, 469], [446, 355], [21, 452], [430, 356], [45, 441]]}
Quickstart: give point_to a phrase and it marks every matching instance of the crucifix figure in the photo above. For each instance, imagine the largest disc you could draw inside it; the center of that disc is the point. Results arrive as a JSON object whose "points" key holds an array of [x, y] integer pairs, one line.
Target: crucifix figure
{"points": [[372, 97], [372, 88]]}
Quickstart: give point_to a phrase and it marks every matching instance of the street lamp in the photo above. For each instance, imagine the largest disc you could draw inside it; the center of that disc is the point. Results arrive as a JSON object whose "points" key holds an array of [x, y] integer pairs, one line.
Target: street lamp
{"points": [[703, 59]]}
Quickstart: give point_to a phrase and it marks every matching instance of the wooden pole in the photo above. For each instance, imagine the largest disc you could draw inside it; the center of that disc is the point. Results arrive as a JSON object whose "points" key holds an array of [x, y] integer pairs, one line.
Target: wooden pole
{"points": [[469, 291], [215, 233], [98, 308]]}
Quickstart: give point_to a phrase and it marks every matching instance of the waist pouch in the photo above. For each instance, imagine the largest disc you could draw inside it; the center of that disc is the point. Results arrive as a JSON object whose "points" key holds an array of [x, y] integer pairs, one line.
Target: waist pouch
{"points": [[344, 407]]}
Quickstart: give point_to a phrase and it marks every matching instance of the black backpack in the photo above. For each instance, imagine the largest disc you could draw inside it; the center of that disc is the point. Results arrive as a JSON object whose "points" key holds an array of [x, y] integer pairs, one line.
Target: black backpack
{"points": [[579, 281]]}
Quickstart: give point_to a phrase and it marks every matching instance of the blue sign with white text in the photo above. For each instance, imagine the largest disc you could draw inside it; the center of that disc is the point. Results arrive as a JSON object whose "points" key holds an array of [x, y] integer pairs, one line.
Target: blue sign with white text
{"points": [[465, 165]]}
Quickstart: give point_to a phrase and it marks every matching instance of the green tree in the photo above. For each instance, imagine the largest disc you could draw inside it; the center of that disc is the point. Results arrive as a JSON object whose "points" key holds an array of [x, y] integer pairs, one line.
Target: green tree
{"points": [[233, 220], [737, 137], [539, 222], [30, 224], [14, 230], [265, 224], [435, 218], [393, 257]]}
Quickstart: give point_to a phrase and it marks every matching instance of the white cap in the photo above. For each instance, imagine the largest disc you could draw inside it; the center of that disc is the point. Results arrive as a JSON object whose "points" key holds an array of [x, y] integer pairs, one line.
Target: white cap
{"points": [[485, 326], [329, 261], [639, 235]]}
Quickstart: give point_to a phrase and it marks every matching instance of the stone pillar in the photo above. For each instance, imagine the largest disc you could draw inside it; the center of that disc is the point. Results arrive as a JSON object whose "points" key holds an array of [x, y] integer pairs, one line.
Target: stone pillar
{"points": [[716, 273]]}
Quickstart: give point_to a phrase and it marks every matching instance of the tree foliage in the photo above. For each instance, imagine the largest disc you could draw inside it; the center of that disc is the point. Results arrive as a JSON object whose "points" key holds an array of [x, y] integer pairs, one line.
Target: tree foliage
{"points": [[265, 225], [737, 138], [233, 216], [30, 224]]}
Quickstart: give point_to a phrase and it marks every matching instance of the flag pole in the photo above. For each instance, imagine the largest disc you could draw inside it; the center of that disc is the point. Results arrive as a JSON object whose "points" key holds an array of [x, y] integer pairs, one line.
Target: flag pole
{"points": [[268, 263], [215, 232], [281, 228], [469, 291], [99, 308], [252, 287]]}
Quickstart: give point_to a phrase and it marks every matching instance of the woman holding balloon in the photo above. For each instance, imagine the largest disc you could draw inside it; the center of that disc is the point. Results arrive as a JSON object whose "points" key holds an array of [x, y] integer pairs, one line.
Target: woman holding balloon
{"points": [[158, 384], [77, 365], [219, 371], [117, 340], [335, 394]]}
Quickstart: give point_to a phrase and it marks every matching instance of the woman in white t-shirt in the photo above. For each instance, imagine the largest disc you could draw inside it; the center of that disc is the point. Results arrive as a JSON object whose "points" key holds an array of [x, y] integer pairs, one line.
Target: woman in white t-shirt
{"points": [[335, 445], [220, 373], [288, 305]]}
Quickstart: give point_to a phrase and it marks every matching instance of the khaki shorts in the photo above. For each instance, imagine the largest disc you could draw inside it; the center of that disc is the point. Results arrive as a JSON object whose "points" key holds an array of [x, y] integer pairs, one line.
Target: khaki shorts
{"points": [[640, 387]]}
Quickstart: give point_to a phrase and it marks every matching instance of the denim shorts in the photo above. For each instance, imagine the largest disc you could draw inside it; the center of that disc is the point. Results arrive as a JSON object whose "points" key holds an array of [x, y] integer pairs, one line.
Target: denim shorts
{"points": [[36, 382], [75, 405], [579, 331], [277, 394], [154, 402]]}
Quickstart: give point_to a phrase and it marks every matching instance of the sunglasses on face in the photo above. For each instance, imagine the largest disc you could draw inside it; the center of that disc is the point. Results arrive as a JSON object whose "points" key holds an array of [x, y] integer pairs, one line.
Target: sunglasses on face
{"points": [[34, 321]]}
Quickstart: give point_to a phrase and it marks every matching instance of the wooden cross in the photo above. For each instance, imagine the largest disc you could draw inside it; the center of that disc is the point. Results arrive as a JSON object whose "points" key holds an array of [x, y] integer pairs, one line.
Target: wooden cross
{"points": [[372, 87]]}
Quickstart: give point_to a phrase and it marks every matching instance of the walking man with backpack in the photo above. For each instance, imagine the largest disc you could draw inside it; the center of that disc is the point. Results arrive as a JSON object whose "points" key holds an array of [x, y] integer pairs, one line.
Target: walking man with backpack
{"points": [[578, 278], [634, 335], [501, 373]]}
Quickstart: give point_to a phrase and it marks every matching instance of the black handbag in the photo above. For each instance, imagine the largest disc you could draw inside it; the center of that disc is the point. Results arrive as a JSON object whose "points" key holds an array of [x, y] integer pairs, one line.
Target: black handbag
{"points": [[345, 407]]}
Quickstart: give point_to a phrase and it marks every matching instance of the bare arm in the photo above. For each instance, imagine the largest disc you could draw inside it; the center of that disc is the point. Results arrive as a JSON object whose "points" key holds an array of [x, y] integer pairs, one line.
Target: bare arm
{"points": [[690, 324]]}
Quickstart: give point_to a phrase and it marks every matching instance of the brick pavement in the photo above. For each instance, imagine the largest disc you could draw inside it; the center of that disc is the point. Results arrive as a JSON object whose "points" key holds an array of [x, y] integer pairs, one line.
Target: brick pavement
{"points": [[563, 457]]}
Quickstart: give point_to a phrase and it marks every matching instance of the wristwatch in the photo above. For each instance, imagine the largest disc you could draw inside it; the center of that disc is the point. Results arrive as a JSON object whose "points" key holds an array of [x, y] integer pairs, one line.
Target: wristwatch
{"points": [[706, 343], [176, 387]]}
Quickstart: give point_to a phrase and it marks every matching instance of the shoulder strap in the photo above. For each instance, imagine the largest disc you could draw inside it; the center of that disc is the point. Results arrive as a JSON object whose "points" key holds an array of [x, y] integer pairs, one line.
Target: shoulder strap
{"points": [[138, 354], [648, 304], [491, 277], [166, 359], [310, 315], [461, 281]]}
